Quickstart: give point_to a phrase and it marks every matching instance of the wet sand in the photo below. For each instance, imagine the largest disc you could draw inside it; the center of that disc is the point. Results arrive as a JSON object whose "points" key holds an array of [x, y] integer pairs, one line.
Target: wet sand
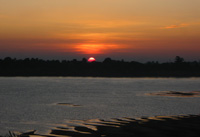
{"points": [[68, 104], [176, 94], [158, 126]]}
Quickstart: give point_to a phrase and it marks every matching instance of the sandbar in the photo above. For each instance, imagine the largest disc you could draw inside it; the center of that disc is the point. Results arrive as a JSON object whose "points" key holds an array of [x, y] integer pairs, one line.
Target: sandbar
{"points": [[157, 126]]}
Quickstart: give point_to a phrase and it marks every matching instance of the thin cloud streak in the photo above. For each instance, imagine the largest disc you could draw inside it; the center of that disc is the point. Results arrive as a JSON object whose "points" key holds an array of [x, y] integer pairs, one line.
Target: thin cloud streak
{"points": [[176, 26]]}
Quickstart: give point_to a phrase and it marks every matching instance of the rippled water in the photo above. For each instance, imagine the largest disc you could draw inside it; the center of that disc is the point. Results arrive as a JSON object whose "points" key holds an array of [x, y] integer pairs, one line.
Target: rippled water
{"points": [[31, 102]]}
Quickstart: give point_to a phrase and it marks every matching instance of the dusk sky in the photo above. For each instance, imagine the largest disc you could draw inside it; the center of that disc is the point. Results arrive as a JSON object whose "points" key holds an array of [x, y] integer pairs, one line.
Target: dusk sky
{"points": [[140, 30]]}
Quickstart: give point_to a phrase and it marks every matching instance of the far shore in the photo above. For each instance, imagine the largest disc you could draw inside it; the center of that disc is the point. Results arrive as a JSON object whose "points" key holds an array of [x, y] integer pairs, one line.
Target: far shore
{"points": [[107, 68], [26, 76]]}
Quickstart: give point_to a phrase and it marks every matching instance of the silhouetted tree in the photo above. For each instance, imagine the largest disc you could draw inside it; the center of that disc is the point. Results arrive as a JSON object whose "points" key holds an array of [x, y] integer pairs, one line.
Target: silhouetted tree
{"points": [[179, 59], [107, 60], [84, 60]]}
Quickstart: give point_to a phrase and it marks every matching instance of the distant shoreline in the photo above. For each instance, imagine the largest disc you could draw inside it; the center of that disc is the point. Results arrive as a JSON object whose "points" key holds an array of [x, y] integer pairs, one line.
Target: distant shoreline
{"points": [[99, 76], [103, 76], [107, 68]]}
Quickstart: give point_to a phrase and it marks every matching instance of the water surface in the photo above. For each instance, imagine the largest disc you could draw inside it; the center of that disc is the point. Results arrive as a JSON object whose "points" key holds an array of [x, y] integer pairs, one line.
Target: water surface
{"points": [[31, 102]]}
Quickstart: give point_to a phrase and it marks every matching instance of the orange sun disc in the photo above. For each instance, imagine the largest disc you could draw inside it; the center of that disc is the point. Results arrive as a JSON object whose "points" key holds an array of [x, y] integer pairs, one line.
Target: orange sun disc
{"points": [[91, 59]]}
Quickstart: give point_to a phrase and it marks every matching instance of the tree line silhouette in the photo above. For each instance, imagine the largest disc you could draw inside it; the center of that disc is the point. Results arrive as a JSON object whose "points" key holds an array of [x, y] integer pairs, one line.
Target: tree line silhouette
{"points": [[107, 68]]}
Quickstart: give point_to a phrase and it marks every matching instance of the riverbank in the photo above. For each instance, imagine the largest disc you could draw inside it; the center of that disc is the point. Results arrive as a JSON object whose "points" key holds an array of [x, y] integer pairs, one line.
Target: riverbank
{"points": [[158, 126]]}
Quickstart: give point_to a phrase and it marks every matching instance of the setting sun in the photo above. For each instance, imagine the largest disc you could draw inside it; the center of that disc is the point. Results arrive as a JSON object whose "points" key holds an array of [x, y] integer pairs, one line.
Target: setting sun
{"points": [[91, 59]]}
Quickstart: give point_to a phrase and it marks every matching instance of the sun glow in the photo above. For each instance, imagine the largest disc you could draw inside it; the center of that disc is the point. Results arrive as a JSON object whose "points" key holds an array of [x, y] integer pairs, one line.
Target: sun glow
{"points": [[95, 48]]}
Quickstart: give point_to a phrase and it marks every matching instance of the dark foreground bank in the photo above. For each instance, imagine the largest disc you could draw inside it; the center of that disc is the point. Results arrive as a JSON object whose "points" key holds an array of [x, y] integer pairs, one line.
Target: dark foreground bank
{"points": [[158, 126], [107, 68]]}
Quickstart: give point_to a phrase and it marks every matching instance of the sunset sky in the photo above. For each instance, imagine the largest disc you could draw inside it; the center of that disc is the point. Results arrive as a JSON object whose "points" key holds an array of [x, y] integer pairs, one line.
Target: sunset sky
{"points": [[139, 30]]}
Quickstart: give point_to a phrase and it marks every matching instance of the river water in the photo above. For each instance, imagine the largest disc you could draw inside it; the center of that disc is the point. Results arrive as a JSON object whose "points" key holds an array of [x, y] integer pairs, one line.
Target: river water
{"points": [[28, 103]]}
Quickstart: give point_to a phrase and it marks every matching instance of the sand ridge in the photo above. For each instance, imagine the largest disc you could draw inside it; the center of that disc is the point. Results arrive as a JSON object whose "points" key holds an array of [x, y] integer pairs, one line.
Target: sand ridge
{"points": [[176, 93], [68, 104], [158, 126]]}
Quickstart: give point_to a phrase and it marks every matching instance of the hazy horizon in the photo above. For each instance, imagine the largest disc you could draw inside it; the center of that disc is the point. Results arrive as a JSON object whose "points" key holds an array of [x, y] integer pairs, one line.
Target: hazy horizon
{"points": [[142, 60]]}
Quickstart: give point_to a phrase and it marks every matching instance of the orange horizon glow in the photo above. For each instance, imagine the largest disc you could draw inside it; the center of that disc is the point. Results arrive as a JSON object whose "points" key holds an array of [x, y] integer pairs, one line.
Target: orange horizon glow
{"points": [[95, 48]]}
